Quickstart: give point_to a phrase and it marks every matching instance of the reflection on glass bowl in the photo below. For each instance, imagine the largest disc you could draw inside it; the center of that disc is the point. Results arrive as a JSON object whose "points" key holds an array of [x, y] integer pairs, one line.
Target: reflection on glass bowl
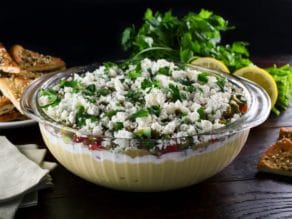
{"points": [[198, 158]]}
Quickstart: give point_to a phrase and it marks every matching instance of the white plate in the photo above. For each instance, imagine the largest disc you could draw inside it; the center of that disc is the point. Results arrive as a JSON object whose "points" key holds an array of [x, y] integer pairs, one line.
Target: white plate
{"points": [[17, 124]]}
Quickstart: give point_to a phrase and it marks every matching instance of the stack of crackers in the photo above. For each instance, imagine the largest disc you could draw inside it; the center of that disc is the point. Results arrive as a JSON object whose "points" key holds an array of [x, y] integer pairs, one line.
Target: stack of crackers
{"points": [[18, 67], [278, 157]]}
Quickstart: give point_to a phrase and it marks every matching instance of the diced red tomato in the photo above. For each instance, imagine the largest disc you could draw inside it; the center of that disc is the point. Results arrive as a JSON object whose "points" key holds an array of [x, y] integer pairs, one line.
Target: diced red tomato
{"points": [[170, 148], [243, 108], [94, 146], [79, 139]]}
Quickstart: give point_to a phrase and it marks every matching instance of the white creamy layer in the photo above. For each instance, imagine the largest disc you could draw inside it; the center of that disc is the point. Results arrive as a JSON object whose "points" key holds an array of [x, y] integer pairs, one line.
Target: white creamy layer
{"points": [[102, 155]]}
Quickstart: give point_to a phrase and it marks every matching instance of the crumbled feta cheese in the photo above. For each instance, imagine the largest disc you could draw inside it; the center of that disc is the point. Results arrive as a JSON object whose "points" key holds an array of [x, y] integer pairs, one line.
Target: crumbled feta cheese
{"points": [[155, 97], [169, 128], [108, 97]]}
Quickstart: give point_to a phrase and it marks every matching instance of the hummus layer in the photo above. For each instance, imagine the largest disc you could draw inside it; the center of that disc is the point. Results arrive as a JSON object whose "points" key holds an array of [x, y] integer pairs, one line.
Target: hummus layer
{"points": [[146, 173]]}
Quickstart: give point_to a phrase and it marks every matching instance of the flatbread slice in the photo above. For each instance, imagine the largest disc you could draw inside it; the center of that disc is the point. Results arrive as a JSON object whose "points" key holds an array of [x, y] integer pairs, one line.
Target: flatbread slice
{"points": [[34, 61], [6, 62], [12, 116], [286, 132], [5, 105], [277, 158], [12, 88]]}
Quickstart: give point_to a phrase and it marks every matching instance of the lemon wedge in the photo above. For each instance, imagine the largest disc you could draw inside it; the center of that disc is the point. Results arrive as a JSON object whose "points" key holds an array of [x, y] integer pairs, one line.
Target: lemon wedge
{"points": [[211, 63], [261, 77]]}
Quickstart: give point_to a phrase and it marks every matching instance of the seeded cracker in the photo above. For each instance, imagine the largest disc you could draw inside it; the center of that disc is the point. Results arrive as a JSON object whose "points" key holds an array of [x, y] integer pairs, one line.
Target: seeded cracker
{"points": [[13, 88], [7, 64], [277, 158], [33, 61]]}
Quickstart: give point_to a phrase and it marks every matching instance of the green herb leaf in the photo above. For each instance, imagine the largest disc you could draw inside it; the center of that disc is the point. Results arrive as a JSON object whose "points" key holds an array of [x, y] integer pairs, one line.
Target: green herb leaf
{"points": [[82, 116], [181, 39], [180, 113], [139, 114], [203, 77], [189, 85], [175, 93], [73, 84], [164, 71], [221, 82], [103, 92], [112, 113], [52, 97], [135, 96], [127, 38], [154, 110], [202, 113], [134, 74], [146, 83], [283, 78], [118, 126], [89, 90]]}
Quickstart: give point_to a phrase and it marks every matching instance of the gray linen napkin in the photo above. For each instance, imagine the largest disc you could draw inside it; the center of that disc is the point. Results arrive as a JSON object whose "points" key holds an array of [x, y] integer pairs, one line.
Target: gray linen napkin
{"points": [[20, 175]]}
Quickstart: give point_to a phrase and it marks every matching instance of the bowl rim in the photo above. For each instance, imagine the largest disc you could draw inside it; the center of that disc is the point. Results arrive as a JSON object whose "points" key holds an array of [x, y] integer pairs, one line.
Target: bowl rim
{"points": [[258, 101]]}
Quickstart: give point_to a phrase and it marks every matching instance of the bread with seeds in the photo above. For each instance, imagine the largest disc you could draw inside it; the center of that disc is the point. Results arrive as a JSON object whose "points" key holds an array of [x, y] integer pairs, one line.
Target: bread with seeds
{"points": [[277, 158], [12, 88], [7, 64], [5, 105], [33, 61], [286, 132]]}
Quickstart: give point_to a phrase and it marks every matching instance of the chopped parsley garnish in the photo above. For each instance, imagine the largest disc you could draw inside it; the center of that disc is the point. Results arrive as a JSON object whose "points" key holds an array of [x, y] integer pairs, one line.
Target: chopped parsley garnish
{"points": [[164, 71], [185, 82], [203, 77], [180, 113], [82, 116], [112, 113], [139, 114], [75, 85], [221, 81], [146, 83], [175, 93], [135, 73], [202, 113], [109, 65], [52, 97], [118, 126], [188, 85], [135, 96], [191, 88], [103, 92], [90, 100], [154, 110], [89, 90]]}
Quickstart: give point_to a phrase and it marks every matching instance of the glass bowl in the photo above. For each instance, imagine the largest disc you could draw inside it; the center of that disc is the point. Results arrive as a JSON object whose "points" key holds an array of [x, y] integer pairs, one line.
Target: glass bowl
{"points": [[199, 157]]}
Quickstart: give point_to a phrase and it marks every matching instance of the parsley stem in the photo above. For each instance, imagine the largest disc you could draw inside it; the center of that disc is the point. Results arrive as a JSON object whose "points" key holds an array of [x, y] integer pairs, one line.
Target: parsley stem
{"points": [[151, 49]]}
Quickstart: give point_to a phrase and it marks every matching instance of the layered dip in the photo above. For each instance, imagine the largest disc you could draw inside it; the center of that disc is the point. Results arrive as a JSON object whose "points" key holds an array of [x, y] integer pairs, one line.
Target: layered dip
{"points": [[144, 125]]}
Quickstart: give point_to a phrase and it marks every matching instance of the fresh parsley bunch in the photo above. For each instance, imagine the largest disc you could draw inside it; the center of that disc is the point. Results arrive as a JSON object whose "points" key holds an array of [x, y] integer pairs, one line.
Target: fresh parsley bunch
{"points": [[163, 35]]}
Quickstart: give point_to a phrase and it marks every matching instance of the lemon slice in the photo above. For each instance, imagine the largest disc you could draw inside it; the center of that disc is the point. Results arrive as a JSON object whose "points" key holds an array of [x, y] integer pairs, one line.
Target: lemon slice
{"points": [[211, 63], [261, 77]]}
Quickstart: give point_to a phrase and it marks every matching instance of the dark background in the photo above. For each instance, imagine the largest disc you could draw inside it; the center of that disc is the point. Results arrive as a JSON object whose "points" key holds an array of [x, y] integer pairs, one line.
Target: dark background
{"points": [[86, 31]]}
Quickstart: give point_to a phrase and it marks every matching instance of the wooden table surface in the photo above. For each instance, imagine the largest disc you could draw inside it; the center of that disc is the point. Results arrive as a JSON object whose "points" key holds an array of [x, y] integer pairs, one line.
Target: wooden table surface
{"points": [[239, 191]]}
